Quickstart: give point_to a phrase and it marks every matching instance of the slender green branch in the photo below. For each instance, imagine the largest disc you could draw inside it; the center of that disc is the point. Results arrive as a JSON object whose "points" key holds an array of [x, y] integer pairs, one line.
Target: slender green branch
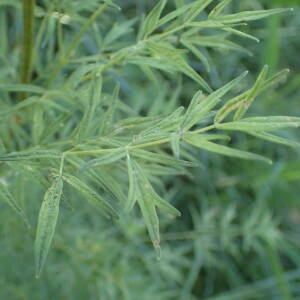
{"points": [[62, 61], [102, 151], [130, 147], [210, 127], [89, 152], [27, 42]]}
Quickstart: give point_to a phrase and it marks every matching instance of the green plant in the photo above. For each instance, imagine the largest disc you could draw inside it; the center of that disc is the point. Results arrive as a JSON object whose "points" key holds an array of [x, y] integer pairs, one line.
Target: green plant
{"points": [[71, 127]]}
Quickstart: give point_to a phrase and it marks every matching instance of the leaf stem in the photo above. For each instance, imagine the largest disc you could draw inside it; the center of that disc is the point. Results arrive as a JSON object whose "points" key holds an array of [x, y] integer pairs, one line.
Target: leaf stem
{"points": [[130, 147], [204, 129], [27, 42]]}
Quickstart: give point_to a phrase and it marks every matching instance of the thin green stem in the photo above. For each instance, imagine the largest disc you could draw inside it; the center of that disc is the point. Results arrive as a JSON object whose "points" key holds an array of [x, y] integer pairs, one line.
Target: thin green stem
{"points": [[27, 42], [62, 61], [158, 142], [210, 127], [89, 152], [131, 147], [61, 165]]}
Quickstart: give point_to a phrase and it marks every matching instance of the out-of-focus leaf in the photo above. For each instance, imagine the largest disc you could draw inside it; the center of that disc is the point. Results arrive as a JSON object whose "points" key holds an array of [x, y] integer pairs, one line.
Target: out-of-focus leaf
{"points": [[118, 30], [38, 124], [6, 195], [27, 102], [84, 126], [112, 4], [275, 139], [197, 53], [2, 147], [28, 88]]}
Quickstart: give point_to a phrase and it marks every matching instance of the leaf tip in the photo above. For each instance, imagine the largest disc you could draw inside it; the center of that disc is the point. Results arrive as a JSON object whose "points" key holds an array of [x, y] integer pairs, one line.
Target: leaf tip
{"points": [[38, 271], [245, 73], [156, 245], [266, 67]]}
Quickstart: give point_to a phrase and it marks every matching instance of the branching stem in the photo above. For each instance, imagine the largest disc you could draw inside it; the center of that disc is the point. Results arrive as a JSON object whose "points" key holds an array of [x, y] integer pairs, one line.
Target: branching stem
{"points": [[27, 42], [131, 147]]}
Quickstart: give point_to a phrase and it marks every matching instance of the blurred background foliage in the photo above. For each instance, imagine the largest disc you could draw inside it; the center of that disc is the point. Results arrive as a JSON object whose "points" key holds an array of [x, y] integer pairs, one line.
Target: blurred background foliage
{"points": [[238, 237]]}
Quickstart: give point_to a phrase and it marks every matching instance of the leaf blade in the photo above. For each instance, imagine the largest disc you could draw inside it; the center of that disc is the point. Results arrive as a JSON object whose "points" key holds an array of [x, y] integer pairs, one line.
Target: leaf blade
{"points": [[261, 124], [47, 223], [94, 198], [249, 15], [200, 142]]}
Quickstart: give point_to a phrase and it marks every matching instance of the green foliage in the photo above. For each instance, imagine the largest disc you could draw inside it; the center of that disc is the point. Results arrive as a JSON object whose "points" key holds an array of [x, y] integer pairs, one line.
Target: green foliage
{"points": [[114, 105]]}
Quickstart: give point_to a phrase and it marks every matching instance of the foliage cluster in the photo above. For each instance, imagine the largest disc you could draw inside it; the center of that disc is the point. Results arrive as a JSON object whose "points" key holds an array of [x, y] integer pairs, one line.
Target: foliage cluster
{"points": [[97, 113]]}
